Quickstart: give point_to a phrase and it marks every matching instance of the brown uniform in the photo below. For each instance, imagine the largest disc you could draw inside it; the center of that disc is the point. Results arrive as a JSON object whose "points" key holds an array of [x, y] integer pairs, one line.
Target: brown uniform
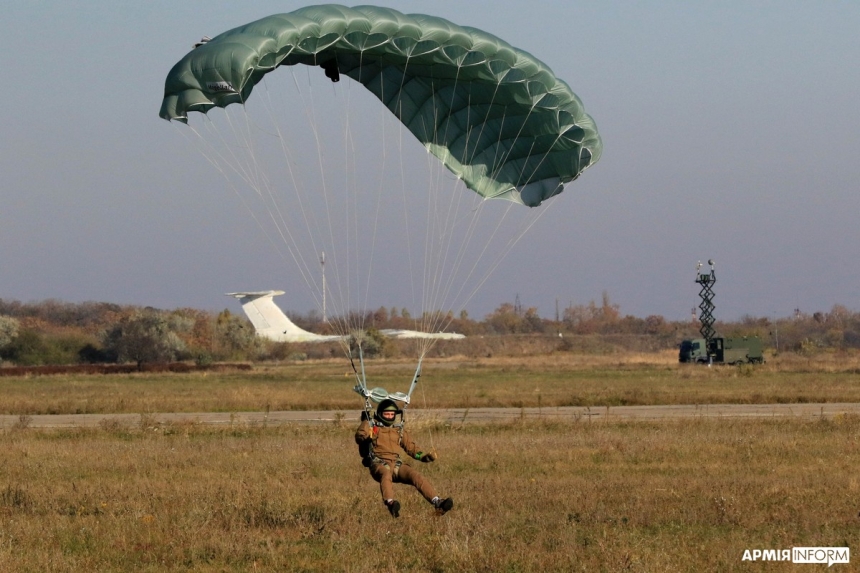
{"points": [[386, 466]]}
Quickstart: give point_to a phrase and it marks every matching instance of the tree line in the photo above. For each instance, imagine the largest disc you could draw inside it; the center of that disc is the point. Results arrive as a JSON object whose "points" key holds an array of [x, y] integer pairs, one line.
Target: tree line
{"points": [[55, 332]]}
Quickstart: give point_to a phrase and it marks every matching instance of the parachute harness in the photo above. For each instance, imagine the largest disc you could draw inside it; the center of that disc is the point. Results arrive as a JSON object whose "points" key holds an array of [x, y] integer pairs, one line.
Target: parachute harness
{"points": [[377, 395]]}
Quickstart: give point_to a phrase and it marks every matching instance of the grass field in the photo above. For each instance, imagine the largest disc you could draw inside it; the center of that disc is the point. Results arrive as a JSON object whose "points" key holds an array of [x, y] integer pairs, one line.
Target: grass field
{"points": [[556, 380], [530, 496]]}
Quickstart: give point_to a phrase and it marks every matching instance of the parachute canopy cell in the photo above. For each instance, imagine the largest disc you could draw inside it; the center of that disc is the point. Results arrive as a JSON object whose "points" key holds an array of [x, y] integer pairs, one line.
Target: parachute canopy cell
{"points": [[497, 117]]}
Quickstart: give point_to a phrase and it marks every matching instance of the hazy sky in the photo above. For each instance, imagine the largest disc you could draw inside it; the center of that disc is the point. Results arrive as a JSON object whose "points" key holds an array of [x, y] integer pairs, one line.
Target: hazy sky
{"points": [[731, 131]]}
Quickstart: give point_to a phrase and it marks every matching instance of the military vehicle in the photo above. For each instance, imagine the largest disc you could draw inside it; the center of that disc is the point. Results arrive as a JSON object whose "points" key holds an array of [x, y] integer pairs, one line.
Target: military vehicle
{"points": [[713, 349], [739, 350]]}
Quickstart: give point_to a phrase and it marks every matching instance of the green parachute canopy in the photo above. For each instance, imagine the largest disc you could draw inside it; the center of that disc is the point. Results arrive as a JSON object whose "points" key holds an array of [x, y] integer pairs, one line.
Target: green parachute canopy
{"points": [[497, 117]]}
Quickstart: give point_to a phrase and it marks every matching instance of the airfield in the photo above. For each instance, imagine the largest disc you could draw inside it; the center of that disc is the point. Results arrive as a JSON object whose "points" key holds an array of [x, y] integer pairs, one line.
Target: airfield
{"points": [[615, 463]]}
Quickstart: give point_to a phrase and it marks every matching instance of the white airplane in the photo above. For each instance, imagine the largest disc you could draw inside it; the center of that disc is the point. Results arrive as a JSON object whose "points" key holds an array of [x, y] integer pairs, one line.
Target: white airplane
{"points": [[270, 322]]}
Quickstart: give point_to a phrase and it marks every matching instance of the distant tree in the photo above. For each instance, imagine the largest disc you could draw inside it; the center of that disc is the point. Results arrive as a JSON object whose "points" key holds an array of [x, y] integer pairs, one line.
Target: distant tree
{"points": [[8, 330], [92, 354], [372, 343], [531, 322], [28, 348], [504, 320], [510, 319], [655, 324], [593, 319], [145, 337], [380, 317], [234, 337]]}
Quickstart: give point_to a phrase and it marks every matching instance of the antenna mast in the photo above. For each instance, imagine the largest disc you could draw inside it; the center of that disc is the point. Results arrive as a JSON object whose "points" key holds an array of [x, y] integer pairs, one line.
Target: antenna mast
{"points": [[706, 281]]}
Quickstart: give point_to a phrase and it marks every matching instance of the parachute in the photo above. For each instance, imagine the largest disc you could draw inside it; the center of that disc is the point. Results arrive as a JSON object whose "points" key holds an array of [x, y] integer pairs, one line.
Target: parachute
{"points": [[493, 115]]}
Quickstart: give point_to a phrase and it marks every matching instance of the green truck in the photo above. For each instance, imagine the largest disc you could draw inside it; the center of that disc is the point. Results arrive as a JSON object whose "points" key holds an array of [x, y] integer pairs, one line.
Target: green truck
{"points": [[739, 350]]}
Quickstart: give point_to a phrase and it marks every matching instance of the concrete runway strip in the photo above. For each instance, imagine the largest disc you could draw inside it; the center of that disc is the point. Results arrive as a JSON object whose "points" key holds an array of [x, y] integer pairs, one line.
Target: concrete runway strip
{"points": [[450, 415]]}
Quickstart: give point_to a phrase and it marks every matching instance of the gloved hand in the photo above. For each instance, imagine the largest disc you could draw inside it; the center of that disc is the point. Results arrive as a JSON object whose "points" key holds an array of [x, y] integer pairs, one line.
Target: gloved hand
{"points": [[365, 416], [430, 456]]}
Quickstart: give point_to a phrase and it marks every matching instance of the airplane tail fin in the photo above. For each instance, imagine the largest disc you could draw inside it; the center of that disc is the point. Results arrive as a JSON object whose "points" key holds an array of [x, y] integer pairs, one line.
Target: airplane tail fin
{"points": [[270, 321]]}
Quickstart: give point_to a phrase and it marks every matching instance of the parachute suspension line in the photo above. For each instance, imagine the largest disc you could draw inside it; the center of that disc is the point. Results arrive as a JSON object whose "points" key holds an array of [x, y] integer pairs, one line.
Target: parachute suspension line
{"points": [[352, 317], [284, 227], [310, 222], [501, 255], [497, 260], [380, 190], [361, 380], [433, 217], [240, 168], [438, 320], [442, 289], [433, 241], [436, 245], [498, 162], [511, 147], [398, 112], [270, 199], [435, 238], [363, 373], [443, 227], [438, 290], [209, 153], [470, 158], [273, 205], [461, 251], [310, 112], [440, 254], [400, 126], [542, 159], [428, 233]]}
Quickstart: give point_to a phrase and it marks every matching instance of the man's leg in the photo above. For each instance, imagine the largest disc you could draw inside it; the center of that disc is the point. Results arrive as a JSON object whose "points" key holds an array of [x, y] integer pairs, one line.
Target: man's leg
{"points": [[382, 474], [411, 477]]}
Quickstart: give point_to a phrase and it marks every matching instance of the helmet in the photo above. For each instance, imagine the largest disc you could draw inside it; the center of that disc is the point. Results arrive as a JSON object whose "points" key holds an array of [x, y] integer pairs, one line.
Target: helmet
{"points": [[386, 405]]}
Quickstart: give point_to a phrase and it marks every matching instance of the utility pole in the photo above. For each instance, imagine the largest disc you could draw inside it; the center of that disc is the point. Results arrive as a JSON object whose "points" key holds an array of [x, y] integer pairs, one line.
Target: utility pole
{"points": [[322, 264]]}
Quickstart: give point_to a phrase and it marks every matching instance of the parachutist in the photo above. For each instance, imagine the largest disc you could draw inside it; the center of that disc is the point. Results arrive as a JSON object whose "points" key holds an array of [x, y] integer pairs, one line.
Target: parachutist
{"points": [[379, 443]]}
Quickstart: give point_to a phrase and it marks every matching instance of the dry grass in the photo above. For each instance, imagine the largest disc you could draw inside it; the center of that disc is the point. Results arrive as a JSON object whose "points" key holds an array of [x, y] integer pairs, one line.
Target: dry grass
{"points": [[558, 379], [531, 496], [671, 496]]}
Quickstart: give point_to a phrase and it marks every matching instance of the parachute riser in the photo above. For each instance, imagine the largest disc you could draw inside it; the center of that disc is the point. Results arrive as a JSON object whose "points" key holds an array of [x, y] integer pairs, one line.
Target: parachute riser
{"points": [[414, 383], [408, 399], [361, 379], [361, 361]]}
